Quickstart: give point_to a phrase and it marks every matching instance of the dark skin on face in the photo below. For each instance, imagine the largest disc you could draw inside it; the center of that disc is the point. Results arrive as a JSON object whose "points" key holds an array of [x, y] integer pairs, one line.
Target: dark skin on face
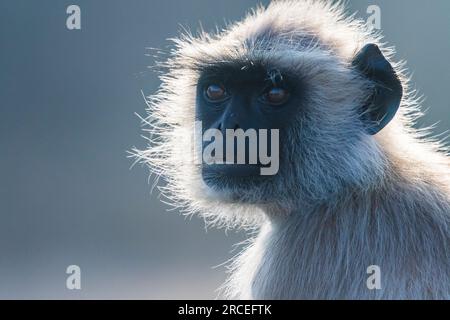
{"points": [[234, 96], [253, 96]]}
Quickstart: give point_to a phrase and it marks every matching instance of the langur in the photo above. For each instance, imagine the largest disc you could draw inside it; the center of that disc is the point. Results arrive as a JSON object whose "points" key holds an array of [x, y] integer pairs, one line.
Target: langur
{"points": [[356, 185]]}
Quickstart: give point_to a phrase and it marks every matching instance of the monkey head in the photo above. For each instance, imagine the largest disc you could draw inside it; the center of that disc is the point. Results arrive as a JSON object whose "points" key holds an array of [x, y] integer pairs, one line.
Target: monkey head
{"points": [[317, 85]]}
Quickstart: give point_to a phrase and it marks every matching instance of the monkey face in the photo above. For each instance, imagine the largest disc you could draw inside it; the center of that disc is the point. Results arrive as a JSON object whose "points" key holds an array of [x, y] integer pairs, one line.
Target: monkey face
{"points": [[244, 110], [264, 126], [306, 97]]}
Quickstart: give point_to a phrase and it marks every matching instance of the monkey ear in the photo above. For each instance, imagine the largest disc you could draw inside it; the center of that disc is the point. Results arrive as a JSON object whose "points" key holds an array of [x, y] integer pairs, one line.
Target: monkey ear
{"points": [[381, 108]]}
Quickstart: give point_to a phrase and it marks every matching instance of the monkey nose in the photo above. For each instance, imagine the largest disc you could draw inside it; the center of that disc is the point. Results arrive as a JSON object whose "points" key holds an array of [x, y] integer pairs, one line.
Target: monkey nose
{"points": [[230, 122]]}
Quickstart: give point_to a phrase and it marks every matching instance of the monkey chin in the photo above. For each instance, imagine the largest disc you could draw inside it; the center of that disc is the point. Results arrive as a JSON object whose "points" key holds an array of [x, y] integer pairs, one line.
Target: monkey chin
{"points": [[237, 183]]}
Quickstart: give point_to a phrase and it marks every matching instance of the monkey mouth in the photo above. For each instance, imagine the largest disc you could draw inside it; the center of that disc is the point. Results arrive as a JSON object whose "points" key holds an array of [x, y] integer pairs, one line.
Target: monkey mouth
{"points": [[236, 182], [231, 170], [226, 176]]}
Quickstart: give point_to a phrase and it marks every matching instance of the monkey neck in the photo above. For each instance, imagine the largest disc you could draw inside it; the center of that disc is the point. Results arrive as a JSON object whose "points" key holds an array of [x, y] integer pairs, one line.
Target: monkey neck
{"points": [[323, 249]]}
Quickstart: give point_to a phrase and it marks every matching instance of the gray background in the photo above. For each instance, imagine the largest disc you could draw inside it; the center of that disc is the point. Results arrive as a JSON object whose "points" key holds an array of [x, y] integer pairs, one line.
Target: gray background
{"points": [[67, 104]]}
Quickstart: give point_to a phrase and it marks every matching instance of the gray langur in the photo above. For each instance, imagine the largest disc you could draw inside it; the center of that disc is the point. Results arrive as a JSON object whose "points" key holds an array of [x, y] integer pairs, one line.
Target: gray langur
{"points": [[357, 185]]}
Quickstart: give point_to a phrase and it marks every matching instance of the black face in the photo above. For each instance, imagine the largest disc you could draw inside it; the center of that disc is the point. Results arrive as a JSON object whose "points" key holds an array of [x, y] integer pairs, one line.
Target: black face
{"points": [[245, 97]]}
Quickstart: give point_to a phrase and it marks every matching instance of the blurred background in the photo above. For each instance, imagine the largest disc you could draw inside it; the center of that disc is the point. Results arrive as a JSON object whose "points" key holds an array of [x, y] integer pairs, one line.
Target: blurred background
{"points": [[68, 100]]}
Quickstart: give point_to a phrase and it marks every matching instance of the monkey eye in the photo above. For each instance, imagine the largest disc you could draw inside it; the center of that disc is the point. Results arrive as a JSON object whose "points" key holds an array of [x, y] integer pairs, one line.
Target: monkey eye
{"points": [[215, 93], [275, 96]]}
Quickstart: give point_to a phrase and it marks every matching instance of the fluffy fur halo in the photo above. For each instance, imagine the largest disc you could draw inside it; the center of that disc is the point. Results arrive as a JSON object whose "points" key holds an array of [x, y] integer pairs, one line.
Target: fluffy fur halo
{"points": [[322, 40]]}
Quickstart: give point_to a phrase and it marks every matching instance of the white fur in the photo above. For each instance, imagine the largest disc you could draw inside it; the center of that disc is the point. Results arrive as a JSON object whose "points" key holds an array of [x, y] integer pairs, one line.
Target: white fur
{"points": [[345, 200]]}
